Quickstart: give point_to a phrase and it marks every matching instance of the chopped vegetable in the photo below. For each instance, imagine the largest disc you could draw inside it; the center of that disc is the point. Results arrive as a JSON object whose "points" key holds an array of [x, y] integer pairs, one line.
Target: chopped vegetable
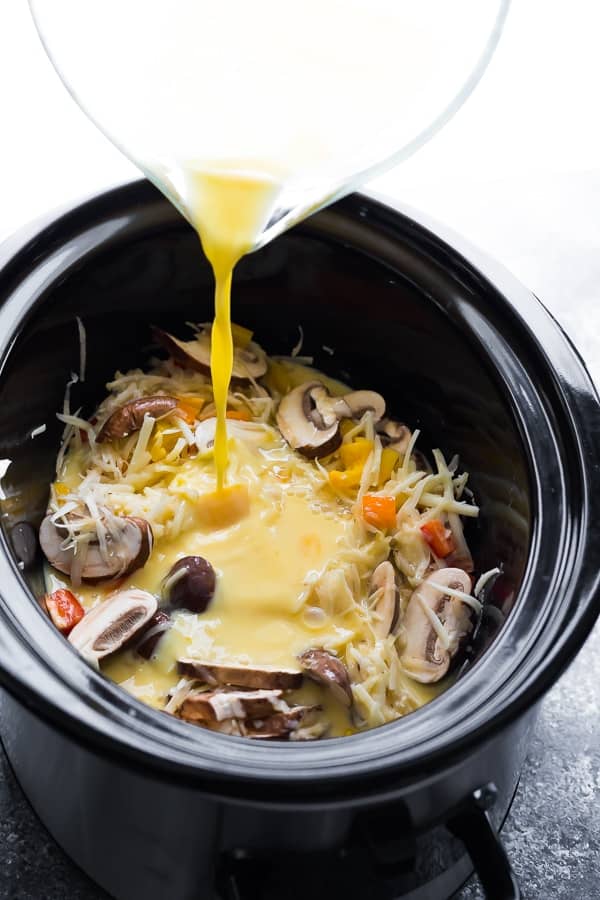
{"points": [[241, 414], [438, 537], [241, 336], [356, 453], [379, 511], [389, 460], [188, 409], [353, 455], [64, 609], [162, 442]]}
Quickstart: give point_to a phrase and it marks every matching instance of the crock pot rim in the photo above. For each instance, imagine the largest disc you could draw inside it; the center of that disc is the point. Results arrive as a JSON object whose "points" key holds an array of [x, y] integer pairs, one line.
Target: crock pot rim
{"points": [[579, 396]]}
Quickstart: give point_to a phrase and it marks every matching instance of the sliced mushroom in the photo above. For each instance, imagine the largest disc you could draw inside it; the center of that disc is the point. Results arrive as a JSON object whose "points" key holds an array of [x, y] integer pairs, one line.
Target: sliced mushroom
{"points": [[430, 646], [129, 418], [394, 435], [309, 416], [128, 545], [149, 637], [258, 677], [279, 725], [385, 600], [248, 362], [146, 544], [312, 429], [205, 436], [326, 669], [114, 622], [360, 402], [216, 706]]}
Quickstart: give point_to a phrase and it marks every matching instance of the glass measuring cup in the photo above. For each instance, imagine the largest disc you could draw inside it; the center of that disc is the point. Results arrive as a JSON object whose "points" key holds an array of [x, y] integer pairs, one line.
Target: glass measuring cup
{"points": [[316, 97]]}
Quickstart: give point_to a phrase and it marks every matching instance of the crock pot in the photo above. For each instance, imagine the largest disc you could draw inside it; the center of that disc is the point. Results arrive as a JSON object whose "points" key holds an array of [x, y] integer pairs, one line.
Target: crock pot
{"points": [[152, 807]]}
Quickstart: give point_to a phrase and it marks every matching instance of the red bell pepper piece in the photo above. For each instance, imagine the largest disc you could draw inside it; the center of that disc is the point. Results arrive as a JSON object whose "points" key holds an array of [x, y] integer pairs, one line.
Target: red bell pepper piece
{"points": [[64, 609]]}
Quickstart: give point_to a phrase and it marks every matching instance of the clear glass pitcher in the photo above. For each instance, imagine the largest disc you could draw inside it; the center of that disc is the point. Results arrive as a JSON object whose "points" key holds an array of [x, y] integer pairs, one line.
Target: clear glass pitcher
{"points": [[317, 95]]}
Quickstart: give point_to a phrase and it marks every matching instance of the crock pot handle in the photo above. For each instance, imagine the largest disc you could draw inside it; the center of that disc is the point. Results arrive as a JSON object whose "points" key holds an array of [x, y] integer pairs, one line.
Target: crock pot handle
{"points": [[238, 880], [473, 826]]}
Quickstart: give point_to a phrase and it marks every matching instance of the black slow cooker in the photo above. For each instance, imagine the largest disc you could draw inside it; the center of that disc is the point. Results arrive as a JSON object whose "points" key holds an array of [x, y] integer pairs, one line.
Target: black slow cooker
{"points": [[152, 807]]}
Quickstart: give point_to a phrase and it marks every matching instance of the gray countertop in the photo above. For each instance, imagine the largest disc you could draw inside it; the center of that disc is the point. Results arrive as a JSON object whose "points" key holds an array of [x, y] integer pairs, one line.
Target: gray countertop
{"points": [[547, 233]]}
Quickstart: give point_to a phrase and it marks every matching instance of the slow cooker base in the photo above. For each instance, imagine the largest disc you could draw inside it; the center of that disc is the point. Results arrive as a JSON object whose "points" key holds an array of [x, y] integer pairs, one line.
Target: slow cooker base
{"points": [[139, 838], [432, 866]]}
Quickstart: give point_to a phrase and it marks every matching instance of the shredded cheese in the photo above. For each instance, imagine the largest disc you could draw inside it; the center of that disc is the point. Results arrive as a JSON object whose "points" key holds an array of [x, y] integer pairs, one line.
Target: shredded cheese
{"points": [[484, 578], [436, 622], [145, 476], [460, 595], [298, 347]]}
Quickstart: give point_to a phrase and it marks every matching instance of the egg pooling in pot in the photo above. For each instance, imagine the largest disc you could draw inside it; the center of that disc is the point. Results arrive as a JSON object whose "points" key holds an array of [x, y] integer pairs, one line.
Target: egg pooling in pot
{"points": [[324, 588]]}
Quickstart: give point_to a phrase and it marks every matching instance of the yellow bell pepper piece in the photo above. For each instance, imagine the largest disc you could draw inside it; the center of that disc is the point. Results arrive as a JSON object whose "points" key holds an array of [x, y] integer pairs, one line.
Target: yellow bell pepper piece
{"points": [[356, 452], [161, 444], [277, 378], [343, 481], [389, 459], [241, 336], [195, 403], [157, 452], [354, 456]]}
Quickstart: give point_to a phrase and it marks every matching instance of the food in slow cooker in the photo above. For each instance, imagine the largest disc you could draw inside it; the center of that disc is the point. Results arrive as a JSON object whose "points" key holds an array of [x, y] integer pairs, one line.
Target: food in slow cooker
{"points": [[327, 588]]}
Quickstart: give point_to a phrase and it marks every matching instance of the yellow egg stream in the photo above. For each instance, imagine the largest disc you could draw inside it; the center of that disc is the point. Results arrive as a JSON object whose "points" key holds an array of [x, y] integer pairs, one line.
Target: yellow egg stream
{"points": [[229, 208]]}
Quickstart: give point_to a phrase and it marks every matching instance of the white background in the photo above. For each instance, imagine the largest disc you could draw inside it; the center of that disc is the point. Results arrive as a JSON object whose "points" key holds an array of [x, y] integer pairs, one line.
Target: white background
{"points": [[517, 170]]}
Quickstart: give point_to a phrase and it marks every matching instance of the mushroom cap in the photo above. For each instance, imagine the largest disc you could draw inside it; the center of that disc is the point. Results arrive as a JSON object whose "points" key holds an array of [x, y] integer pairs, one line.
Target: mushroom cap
{"points": [[309, 416], [190, 584], [328, 670], [426, 657], [282, 724], [129, 546], [129, 418], [258, 677], [360, 402], [114, 622], [307, 423], [260, 714], [248, 362], [385, 606], [395, 435], [216, 706]]}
